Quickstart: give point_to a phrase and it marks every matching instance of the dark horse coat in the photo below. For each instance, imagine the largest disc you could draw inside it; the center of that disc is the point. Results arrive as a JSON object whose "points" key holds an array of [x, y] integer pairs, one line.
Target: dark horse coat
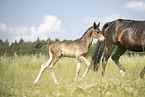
{"points": [[126, 35]]}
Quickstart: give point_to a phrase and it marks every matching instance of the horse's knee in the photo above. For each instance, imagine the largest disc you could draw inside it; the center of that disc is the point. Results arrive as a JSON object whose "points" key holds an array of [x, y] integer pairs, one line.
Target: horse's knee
{"points": [[104, 64], [43, 67], [78, 67], [50, 67], [115, 58], [89, 65]]}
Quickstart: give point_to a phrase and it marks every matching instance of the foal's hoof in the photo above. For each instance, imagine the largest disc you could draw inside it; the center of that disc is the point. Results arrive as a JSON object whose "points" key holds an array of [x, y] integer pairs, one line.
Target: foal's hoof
{"points": [[81, 79], [75, 81], [55, 81], [35, 81]]}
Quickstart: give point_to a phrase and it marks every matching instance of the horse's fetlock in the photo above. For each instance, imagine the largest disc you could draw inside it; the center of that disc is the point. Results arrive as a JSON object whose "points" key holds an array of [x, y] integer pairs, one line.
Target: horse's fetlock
{"points": [[114, 58], [89, 65], [122, 73], [42, 65], [51, 66]]}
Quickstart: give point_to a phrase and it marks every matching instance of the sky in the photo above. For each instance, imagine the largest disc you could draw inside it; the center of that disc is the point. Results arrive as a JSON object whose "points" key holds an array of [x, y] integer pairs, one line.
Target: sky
{"points": [[61, 19]]}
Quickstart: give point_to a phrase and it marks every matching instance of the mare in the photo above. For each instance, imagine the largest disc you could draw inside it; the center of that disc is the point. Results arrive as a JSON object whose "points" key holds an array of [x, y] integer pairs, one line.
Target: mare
{"points": [[77, 48], [126, 35]]}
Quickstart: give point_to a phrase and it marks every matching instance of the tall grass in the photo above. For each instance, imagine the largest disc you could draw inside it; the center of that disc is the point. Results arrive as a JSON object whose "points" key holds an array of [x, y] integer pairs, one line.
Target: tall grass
{"points": [[18, 73]]}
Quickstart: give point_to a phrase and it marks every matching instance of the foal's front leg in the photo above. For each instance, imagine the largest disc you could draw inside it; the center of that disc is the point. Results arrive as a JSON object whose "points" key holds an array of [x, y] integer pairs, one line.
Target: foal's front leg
{"points": [[78, 70], [84, 60]]}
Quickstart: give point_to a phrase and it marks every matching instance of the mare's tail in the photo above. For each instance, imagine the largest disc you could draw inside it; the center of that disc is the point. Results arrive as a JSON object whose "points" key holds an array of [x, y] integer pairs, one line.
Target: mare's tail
{"points": [[40, 44], [99, 49], [97, 54]]}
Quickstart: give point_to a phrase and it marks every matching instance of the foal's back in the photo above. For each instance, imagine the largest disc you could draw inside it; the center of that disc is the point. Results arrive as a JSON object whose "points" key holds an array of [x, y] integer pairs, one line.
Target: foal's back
{"points": [[69, 48]]}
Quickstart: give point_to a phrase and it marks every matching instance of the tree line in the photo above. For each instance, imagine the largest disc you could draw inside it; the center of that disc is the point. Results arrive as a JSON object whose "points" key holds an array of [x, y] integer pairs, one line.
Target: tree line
{"points": [[22, 47], [26, 48]]}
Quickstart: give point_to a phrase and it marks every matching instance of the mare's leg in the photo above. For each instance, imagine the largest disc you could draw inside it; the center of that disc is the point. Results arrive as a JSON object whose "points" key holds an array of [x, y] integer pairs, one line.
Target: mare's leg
{"points": [[84, 60], [42, 69], [108, 51], [142, 73], [120, 51], [78, 70]]}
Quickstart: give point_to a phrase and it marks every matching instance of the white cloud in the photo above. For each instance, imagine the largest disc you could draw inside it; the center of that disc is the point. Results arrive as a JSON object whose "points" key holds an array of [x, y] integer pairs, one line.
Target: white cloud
{"points": [[102, 20], [3, 27], [50, 25], [136, 5]]}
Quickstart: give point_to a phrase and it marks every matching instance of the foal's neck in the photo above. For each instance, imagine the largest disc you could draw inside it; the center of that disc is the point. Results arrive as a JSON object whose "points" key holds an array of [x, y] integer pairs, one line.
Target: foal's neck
{"points": [[87, 38]]}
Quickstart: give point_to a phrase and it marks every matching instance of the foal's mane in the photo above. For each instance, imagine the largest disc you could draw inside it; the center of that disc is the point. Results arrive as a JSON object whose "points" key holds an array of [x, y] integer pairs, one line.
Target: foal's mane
{"points": [[86, 32]]}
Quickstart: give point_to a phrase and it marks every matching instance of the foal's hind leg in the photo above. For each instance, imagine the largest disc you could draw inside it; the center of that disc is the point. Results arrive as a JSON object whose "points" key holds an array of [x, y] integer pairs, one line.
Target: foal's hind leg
{"points": [[120, 51], [51, 69], [42, 69]]}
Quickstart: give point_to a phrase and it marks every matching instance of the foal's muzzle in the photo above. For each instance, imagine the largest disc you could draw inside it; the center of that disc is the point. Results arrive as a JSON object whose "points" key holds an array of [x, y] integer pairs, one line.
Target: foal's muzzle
{"points": [[102, 39]]}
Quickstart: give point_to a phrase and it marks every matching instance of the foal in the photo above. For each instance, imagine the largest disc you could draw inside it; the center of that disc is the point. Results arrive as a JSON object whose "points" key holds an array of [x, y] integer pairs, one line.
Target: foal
{"points": [[75, 48]]}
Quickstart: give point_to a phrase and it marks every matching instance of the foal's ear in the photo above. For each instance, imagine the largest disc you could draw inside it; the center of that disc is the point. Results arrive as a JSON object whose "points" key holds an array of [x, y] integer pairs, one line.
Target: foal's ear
{"points": [[94, 25], [98, 24]]}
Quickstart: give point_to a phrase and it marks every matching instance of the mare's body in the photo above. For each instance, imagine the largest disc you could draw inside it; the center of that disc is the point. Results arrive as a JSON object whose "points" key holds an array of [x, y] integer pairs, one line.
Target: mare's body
{"points": [[126, 35]]}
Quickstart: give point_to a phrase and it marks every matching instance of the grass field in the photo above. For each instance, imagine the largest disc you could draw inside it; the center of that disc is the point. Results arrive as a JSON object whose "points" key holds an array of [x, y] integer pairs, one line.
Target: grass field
{"points": [[17, 75]]}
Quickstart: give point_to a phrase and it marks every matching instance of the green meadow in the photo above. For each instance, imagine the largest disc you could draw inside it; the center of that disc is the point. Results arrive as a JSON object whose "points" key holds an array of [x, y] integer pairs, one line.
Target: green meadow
{"points": [[18, 73]]}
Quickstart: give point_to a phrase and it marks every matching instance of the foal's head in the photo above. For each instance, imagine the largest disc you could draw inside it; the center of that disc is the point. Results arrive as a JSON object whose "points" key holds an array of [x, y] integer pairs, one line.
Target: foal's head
{"points": [[96, 33]]}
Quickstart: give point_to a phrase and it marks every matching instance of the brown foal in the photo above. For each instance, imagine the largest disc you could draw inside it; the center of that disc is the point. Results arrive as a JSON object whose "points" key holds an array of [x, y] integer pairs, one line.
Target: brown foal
{"points": [[76, 48]]}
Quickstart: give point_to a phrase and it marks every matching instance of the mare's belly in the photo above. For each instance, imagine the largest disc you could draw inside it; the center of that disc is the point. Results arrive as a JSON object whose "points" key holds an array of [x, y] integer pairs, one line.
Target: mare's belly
{"points": [[133, 47]]}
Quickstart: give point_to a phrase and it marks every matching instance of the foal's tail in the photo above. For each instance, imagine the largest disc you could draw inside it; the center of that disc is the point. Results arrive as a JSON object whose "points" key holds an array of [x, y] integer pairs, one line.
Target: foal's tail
{"points": [[40, 44], [97, 54]]}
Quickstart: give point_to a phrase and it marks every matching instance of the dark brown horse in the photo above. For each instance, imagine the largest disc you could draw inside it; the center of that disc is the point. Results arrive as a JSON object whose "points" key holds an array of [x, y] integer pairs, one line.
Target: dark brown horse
{"points": [[126, 35]]}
